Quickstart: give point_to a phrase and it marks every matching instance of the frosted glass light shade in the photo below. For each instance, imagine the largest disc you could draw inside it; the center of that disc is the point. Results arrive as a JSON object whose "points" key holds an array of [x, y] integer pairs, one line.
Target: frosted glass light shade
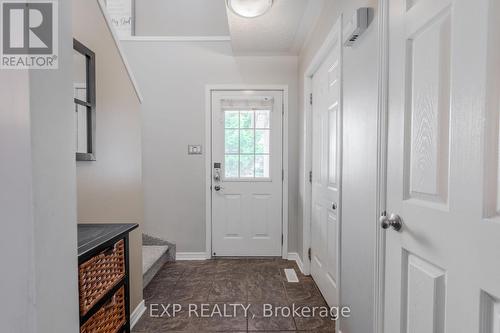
{"points": [[249, 8]]}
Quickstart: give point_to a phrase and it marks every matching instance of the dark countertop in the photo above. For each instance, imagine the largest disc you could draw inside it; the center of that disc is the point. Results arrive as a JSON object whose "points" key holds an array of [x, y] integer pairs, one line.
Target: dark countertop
{"points": [[91, 236]]}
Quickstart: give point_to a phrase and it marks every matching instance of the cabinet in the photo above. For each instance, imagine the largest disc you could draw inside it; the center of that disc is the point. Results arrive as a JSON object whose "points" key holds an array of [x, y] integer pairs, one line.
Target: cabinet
{"points": [[103, 277]]}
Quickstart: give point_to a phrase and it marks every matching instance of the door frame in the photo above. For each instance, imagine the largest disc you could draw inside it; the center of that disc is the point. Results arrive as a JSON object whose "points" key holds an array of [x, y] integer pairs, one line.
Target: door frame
{"points": [[336, 33], [208, 157], [382, 148], [333, 37]]}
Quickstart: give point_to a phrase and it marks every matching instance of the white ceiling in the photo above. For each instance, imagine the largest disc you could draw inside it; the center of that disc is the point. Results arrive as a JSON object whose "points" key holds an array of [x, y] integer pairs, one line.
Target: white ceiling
{"points": [[282, 30], [181, 18]]}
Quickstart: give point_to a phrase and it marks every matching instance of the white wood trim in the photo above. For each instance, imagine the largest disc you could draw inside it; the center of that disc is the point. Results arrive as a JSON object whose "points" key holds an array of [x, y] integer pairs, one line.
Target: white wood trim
{"points": [[294, 256], [138, 93], [177, 38], [236, 87], [317, 60], [181, 256], [284, 165], [382, 142], [289, 53], [208, 157], [208, 171], [334, 36], [137, 313], [307, 167], [379, 249]]}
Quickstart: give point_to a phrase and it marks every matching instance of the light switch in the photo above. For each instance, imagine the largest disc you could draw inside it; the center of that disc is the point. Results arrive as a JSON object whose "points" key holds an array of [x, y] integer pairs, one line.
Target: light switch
{"points": [[194, 149]]}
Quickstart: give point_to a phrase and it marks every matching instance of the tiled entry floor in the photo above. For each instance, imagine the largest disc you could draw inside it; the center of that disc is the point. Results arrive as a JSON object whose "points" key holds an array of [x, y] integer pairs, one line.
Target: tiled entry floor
{"points": [[220, 282]]}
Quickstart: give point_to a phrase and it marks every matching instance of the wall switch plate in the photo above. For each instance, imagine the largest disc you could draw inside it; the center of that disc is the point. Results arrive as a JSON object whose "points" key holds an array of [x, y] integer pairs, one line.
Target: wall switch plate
{"points": [[194, 149]]}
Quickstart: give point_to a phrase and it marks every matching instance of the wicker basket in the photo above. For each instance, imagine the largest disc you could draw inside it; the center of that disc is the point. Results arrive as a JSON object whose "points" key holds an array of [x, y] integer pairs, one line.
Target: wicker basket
{"points": [[110, 318], [100, 274]]}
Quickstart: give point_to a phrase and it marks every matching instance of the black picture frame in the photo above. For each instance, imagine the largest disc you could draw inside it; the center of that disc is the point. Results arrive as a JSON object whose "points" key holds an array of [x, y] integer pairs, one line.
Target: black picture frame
{"points": [[90, 103]]}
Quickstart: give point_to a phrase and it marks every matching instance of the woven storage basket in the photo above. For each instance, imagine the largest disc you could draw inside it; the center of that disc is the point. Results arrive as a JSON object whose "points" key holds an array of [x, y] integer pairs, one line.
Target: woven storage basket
{"points": [[99, 275], [110, 318]]}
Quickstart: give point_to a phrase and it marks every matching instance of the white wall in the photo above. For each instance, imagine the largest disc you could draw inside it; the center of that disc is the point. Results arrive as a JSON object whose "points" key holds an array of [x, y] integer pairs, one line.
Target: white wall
{"points": [[38, 246], [359, 218], [172, 77]]}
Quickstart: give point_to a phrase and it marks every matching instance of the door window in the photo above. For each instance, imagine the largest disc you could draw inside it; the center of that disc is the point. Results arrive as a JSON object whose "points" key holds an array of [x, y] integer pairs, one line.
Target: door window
{"points": [[246, 144]]}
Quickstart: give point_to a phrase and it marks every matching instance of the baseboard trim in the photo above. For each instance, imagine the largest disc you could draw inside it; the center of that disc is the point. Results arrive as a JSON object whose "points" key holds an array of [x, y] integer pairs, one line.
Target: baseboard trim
{"points": [[295, 257], [137, 313], [191, 256]]}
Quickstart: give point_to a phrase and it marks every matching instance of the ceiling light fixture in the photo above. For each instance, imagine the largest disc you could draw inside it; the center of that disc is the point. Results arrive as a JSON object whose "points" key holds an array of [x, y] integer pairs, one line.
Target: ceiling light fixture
{"points": [[249, 8]]}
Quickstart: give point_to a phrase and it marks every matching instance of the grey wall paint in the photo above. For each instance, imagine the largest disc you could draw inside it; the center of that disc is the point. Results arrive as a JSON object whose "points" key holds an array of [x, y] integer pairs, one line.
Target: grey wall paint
{"points": [[38, 196], [181, 18], [109, 190], [54, 187], [359, 218], [17, 311], [172, 77]]}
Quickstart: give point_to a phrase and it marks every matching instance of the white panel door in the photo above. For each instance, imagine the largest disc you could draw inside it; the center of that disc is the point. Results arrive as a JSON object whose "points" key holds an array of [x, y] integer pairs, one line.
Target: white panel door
{"points": [[327, 124], [443, 266], [247, 173]]}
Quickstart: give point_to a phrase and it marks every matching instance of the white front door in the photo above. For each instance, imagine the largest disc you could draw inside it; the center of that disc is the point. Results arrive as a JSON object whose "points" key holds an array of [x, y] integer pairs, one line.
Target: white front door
{"points": [[443, 266], [247, 173], [326, 176]]}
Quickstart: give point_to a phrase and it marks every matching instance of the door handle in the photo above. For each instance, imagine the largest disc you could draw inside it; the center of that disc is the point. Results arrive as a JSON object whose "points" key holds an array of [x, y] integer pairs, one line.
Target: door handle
{"points": [[334, 206], [218, 188], [394, 221]]}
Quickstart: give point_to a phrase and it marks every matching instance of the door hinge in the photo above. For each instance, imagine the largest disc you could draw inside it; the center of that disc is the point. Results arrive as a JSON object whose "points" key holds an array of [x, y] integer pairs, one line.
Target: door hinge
{"points": [[311, 98], [282, 174], [281, 239], [309, 254], [310, 177]]}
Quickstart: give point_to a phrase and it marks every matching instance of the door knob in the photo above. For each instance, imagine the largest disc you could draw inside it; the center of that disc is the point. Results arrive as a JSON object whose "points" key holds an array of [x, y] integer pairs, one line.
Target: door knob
{"points": [[334, 206], [217, 188], [393, 221]]}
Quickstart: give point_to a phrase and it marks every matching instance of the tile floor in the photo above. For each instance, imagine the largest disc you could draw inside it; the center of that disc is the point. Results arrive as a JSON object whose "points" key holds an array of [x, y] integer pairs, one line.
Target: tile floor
{"points": [[212, 284]]}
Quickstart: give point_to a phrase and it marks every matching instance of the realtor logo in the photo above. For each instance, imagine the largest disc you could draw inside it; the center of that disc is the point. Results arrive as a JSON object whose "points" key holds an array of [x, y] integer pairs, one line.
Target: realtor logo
{"points": [[29, 34]]}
